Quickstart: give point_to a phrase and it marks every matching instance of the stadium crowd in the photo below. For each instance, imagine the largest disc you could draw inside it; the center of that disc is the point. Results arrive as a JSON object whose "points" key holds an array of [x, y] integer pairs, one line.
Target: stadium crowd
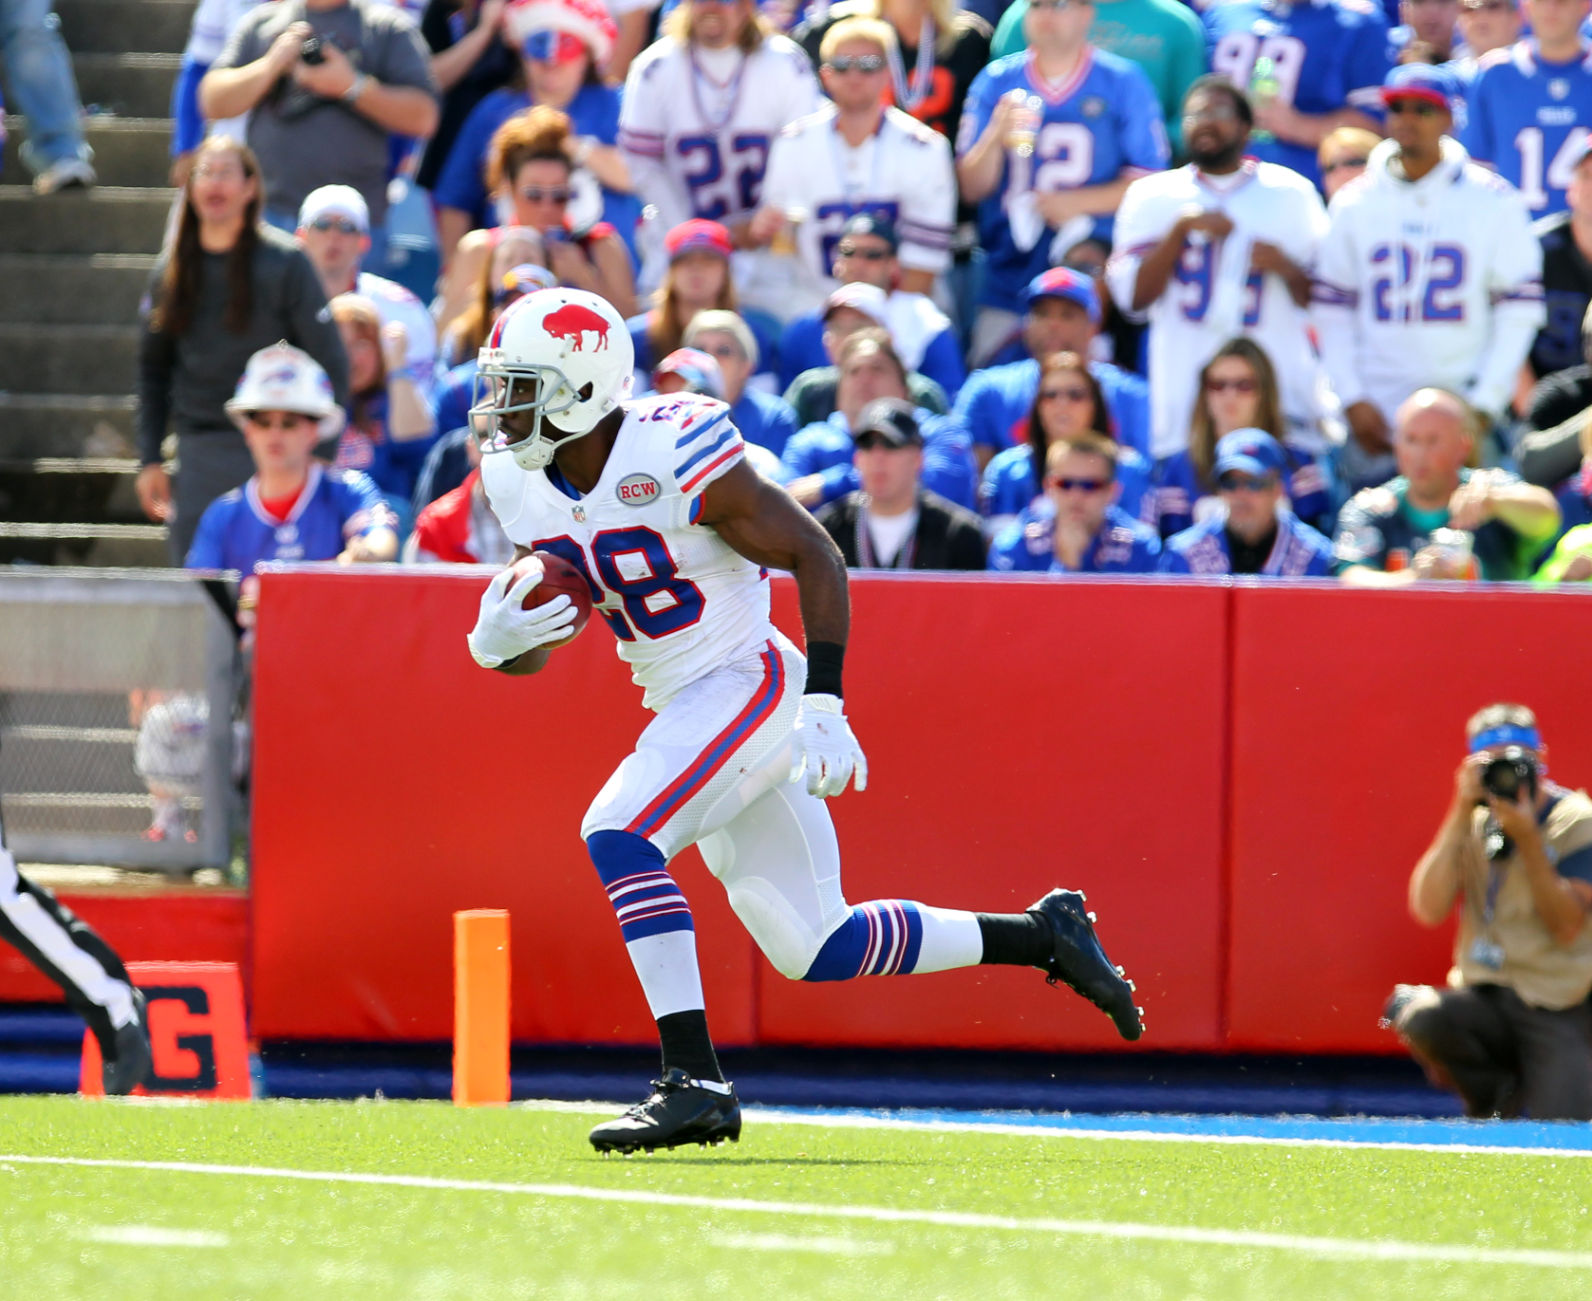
{"points": [[1330, 341]]}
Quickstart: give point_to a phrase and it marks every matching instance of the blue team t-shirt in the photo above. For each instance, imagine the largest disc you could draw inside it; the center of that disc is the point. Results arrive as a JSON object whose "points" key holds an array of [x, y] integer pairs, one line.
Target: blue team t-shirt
{"points": [[236, 532]]}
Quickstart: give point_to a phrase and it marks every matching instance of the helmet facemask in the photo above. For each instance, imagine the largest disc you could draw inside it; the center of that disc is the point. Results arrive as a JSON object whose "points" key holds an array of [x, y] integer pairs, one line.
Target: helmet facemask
{"points": [[509, 389]]}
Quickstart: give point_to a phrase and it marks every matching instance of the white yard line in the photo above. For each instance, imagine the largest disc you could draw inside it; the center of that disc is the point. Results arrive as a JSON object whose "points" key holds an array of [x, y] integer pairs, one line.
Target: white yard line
{"points": [[1335, 1248], [152, 1235]]}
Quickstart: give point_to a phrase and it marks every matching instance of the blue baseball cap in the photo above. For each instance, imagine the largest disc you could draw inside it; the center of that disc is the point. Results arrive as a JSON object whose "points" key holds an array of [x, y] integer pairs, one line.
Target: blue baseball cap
{"points": [[1421, 81], [1059, 282], [1250, 451]]}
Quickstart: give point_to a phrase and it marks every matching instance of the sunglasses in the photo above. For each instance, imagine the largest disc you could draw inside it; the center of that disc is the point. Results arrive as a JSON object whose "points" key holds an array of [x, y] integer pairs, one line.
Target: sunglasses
{"points": [[1062, 484], [866, 254], [556, 194], [856, 63], [1079, 394], [285, 420], [552, 47], [340, 224], [1419, 107], [1229, 385], [724, 352], [1338, 164], [1234, 481], [1056, 6]]}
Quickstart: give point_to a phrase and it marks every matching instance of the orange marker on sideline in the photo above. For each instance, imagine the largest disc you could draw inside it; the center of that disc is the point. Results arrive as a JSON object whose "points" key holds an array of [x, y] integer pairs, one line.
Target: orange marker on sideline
{"points": [[481, 1008]]}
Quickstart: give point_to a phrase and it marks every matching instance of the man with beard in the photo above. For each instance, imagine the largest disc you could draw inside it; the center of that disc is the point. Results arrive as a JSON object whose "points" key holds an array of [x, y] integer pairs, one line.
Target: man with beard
{"points": [[1221, 248]]}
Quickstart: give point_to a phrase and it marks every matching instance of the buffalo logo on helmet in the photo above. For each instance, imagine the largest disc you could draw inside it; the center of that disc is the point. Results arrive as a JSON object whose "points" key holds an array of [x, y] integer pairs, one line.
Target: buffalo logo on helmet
{"points": [[573, 323]]}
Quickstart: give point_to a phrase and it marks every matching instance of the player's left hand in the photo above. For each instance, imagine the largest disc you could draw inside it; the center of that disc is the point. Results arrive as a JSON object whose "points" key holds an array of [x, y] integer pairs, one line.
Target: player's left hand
{"points": [[825, 749]]}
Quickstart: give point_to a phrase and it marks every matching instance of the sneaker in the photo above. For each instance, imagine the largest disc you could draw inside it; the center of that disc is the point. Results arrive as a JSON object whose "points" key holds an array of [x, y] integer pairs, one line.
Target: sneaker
{"points": [[129, 1062], [681, 1110], [64, 174], [1081, 964]]}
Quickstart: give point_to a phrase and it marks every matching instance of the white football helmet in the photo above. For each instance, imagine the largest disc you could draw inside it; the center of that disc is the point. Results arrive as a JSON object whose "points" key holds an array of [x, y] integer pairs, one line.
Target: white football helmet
{"points": [[563, 355]]}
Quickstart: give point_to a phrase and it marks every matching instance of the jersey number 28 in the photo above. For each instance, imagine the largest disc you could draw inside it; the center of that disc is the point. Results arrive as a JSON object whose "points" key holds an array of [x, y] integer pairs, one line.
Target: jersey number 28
{"points": [[635, 565]]}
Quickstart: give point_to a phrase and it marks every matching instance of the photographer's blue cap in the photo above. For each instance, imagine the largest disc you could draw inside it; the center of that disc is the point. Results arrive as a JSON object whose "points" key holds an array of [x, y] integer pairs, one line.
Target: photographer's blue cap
{"points": [[1059, 282], [1250, 451], [1504, 735]]}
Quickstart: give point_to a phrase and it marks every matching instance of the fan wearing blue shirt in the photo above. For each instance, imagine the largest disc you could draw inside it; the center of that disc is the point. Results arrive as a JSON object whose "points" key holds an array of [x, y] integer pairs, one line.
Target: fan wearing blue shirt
{"points": [[761, 417], [1063, 315], [1326, 58], [1077, 526], [1254, 532], [292, 508], [1049, 141], [1530, 107]]}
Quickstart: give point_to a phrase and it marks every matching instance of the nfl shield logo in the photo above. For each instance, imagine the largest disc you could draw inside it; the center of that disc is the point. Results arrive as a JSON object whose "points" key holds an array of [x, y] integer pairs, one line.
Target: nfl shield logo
{"points": [[1558, 88], [580, 514]]}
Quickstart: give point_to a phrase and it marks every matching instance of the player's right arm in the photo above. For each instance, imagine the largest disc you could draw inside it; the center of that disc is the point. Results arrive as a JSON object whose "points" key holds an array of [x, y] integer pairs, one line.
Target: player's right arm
{"points": [[509, 638]]}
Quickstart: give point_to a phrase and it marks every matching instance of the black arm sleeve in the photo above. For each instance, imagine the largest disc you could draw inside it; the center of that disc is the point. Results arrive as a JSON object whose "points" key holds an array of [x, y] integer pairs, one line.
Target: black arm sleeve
{"points": [[1549, 456], [157, 357]]}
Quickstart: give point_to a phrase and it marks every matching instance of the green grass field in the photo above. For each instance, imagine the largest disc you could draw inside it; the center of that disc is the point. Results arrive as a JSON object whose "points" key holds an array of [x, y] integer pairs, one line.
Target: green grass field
{"points": [[403, 1199]]}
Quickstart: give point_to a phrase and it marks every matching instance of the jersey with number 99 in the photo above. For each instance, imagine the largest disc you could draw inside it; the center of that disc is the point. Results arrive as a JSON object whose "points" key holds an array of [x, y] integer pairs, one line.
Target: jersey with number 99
{"points": [[679, 599]]}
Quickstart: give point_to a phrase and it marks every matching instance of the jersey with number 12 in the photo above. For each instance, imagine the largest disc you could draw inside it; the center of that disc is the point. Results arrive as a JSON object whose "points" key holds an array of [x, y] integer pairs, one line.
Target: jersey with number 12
{"points": [[1103, 122], [1528, 120], [679, 599]]}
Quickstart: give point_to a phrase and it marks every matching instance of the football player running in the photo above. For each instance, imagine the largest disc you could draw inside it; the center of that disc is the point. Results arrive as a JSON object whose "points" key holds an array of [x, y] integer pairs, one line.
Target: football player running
{"points": [[655, 502]]}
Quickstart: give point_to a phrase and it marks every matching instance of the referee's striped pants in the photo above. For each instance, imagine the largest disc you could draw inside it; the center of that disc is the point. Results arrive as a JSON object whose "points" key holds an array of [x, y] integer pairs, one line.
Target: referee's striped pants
{"points": [[66, 949]]}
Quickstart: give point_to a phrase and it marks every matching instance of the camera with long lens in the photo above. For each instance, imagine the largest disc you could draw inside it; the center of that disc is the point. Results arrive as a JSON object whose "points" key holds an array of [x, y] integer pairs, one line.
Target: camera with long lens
{"points": [[1504, 777]]}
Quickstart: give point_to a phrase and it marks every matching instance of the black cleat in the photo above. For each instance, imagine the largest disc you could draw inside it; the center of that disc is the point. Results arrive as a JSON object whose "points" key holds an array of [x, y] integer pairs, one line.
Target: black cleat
{"points": [[1078, 961], [679, 1111], [128, 1063]]}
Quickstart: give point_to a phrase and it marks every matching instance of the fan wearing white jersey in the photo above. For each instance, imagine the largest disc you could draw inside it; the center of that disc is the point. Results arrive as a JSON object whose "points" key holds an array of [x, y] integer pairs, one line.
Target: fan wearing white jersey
{"points": [[702, 106], [656, 504], [856, 156], [1429, 275], [1217, 250]]}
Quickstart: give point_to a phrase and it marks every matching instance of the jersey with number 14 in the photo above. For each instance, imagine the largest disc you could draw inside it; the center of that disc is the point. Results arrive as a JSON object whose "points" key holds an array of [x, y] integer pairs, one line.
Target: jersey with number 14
{"points": [[680, 600], [1528, 120], [1102, 122]]}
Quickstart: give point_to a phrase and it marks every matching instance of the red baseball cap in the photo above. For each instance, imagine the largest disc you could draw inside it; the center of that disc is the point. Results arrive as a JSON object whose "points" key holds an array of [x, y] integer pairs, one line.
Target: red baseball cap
{"points": [[698, 233]]}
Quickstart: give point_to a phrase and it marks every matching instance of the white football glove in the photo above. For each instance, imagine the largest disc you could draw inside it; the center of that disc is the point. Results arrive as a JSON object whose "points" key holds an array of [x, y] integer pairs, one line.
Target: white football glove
{"points": [[825, 748], [504, 631]]}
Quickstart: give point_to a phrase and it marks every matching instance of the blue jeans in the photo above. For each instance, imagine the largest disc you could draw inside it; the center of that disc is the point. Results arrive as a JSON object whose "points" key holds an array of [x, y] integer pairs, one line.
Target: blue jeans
{"points": [[40, 72]]}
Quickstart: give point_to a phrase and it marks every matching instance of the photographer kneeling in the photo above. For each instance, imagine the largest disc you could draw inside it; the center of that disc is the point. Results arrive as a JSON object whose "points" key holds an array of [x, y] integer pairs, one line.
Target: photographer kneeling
{"points": [[1512, 1033]]}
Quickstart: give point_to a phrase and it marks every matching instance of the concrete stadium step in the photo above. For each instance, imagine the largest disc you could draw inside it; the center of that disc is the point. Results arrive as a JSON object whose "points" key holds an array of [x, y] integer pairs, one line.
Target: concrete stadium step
{"points": [[97, 546], [113, 26], [128, 85], [106, 219], [68, 358], [127, 150], [65, 425], [63, 289], [61, 490]]}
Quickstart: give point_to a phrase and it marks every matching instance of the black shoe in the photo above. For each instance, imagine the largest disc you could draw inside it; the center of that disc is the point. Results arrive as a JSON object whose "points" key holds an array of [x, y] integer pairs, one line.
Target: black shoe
{"points": [[1078, 961], [129, 1062], [681, 1110]]}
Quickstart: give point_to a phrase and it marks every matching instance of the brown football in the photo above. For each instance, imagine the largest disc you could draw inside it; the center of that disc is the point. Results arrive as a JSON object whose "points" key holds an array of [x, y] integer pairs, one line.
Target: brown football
{"points": [[559, 578]]}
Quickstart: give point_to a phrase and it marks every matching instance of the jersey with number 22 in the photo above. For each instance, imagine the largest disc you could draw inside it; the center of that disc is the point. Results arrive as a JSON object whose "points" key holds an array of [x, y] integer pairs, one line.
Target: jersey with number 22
{"points": [[679, 599]]}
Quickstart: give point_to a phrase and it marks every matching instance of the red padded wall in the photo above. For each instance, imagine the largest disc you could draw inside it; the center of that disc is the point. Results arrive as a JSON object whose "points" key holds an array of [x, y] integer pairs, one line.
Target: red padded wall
{"points": [[1348, 721]]}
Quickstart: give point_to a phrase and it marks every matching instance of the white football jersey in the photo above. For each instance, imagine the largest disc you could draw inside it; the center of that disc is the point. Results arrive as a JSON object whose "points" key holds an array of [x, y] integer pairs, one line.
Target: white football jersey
{"points": [[1213, 297], [1435, 282], [903, 172], [696, 126], [679, 599]]}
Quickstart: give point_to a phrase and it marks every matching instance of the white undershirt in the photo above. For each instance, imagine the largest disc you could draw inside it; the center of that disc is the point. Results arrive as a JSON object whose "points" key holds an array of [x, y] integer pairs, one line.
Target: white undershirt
{"points": [[889, 533]]}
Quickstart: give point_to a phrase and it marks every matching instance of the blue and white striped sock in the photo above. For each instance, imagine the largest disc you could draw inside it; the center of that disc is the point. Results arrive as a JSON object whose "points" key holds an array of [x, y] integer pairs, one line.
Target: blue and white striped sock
{"points": [[894, 937], [654, 919]]}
